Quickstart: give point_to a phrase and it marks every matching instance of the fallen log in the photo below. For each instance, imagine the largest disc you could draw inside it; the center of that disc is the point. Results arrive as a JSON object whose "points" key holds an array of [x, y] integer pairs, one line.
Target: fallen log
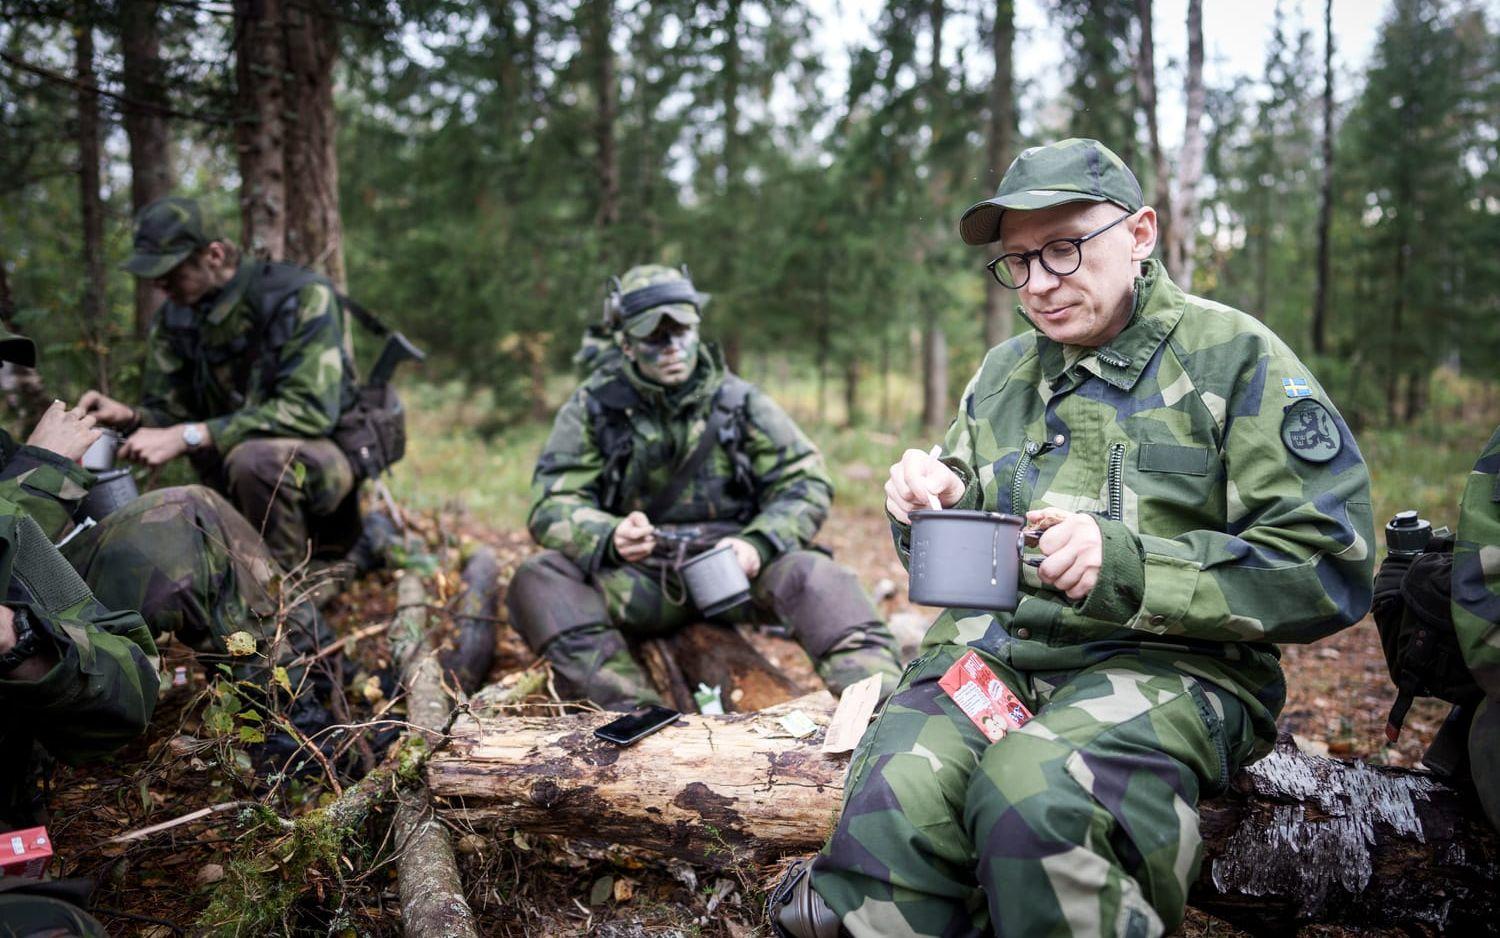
{"points": [[719, 656], [1297, 840], [468, 662]]}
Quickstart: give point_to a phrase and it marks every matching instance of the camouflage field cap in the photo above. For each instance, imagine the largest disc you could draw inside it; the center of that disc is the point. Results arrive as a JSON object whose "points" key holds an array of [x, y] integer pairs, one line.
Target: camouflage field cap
{"points": [[651, 291], [1072, 170], [166, 232], [17, 348]]}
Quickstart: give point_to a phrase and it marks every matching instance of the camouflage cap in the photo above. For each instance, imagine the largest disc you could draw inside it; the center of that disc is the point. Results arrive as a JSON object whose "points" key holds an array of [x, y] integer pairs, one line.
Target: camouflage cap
{"points": [[166, 232], [17, 348], [651, 291], [1072, 170]]}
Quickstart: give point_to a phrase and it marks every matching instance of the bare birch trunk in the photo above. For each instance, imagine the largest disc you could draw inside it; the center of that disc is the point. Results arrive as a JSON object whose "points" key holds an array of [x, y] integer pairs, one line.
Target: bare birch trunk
{"points": [[1182, 254], [151, 175], [260, 135]]}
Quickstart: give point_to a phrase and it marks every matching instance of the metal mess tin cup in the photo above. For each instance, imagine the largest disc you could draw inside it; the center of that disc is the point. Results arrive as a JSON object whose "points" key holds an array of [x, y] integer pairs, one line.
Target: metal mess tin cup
{"points": [[101, 453], [114, 489], [715, 580], [965, 559]]}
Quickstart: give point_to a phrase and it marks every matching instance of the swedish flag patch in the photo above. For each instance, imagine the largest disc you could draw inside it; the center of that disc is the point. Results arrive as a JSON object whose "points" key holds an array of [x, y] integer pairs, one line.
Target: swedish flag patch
{"points": [[1296, 387]]}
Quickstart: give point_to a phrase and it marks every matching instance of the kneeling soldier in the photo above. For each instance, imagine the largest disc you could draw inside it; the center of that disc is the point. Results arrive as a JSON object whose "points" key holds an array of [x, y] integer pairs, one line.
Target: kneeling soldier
{"points": [[618, 481]]}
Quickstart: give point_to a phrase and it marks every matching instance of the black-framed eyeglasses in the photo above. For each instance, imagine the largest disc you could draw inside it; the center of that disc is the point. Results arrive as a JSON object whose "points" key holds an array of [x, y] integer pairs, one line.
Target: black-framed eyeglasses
{"points": [[1060, 256]]}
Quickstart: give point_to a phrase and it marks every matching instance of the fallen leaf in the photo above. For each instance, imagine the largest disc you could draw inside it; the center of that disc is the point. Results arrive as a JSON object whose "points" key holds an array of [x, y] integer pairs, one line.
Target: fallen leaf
{"points": [[240, 644], [624, 889], [210, 873], [604, 887]]}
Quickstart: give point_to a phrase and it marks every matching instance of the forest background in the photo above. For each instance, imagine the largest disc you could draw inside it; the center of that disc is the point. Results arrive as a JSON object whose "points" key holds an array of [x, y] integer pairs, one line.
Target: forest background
{"points": [[475, 170]]}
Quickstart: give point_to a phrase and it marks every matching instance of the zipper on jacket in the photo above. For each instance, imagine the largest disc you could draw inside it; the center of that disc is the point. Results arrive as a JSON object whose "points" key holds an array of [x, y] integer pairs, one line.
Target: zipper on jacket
{"points": [[1018, 482], [1116, 482]]}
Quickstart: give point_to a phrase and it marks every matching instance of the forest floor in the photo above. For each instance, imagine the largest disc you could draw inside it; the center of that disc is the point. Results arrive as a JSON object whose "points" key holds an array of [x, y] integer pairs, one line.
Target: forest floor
{"points": [[162, 885]]}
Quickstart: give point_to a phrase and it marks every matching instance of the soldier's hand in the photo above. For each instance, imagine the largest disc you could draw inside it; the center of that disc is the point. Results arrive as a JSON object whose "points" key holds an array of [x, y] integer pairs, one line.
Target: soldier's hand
{"points": [[153, 446], [1074, 549], [32, 669], [635, 537], [915, 480], [106, 409], [745, 553], [65, 432]]}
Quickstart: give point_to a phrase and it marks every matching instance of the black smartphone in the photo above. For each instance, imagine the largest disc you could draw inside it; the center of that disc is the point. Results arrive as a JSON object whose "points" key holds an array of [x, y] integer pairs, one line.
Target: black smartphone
{"points": [[637, 724]]}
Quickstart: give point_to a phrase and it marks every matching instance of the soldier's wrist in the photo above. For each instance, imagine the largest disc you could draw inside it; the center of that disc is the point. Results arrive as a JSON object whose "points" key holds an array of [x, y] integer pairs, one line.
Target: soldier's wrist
{"points": [[1120, 590]]}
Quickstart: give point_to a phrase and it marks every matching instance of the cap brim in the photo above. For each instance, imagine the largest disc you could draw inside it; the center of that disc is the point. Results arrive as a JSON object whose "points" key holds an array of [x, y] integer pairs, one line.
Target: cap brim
{"points": [[18, 349], [151, 266], [980, 223], [646, 323]]}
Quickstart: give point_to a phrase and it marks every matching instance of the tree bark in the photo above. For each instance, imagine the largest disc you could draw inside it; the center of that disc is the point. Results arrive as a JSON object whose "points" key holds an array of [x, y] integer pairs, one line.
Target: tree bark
{"points": [[1297, 840], [997, 299], [934, 340], [151, 175], [260, 133], [432, 895], [606, 96], [719, 656], [1145, 85], [1181, 258], [21, 388], [1325, 194], [934, 374], [314, 226], [95, 311]]}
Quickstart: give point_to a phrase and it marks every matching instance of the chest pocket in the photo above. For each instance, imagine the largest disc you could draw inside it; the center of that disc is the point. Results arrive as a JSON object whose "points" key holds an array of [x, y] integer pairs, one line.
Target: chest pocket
{"points": [[1179, 487]]}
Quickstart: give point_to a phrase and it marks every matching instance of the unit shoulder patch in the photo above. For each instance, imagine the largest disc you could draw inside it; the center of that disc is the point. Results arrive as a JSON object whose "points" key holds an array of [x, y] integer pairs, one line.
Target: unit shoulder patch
{"points": [[1309, 431]]}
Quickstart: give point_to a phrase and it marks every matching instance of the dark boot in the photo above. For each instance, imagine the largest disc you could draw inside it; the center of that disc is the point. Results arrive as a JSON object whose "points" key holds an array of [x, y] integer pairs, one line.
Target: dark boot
{"points": [[797, 911]]}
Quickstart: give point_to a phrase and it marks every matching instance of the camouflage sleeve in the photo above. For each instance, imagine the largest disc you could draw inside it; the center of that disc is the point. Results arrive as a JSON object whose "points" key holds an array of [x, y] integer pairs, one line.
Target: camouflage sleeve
{"points": [[45, 485], [166, 385], [957, 453], [1295, 559], [308, 386], [792, 484], [1476, 570], [565, 490]]}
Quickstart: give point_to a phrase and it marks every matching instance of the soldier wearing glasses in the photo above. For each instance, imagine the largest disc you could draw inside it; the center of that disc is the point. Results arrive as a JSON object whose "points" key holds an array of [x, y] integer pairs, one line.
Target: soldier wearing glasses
{"points": [[1202, 500]]}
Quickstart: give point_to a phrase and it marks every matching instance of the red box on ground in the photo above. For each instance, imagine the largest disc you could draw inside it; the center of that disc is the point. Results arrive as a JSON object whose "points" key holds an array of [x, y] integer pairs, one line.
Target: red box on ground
{"points": [[983, 697], [25, 852]]}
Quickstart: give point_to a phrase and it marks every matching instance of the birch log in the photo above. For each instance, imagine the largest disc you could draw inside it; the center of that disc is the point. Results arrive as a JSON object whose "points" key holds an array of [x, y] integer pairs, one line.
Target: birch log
{"points": [[1298, 839]]}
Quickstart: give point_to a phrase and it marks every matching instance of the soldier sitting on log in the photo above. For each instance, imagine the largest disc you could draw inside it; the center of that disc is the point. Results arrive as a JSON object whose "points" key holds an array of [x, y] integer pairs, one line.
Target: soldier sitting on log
{"points": [[1205, 501], [663, 447]]}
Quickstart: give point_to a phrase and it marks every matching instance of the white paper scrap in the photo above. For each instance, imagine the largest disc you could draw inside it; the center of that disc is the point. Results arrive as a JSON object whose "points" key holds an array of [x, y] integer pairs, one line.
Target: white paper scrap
{"points": [[798, 724], [856, 706]]}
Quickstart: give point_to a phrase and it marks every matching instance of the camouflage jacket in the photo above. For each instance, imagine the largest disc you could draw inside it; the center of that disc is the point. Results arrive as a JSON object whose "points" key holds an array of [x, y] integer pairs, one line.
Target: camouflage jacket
{"points": [[1233, 501], [1476, 571], [580, 492], [220, 363], [102, 690], [48, 487]]}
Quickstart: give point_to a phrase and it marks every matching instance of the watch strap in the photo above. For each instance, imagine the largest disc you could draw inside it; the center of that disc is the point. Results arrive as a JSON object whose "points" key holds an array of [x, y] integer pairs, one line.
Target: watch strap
{"points": [[26, 642]]}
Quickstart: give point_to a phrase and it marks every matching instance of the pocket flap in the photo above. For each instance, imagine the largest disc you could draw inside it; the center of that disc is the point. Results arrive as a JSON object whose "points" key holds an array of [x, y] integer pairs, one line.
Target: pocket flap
{"points": [[1169, 457]]}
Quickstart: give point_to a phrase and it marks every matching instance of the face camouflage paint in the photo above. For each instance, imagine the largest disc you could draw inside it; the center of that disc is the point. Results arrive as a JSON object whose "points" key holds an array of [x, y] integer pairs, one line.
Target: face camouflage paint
{"points": [[668, 356]]}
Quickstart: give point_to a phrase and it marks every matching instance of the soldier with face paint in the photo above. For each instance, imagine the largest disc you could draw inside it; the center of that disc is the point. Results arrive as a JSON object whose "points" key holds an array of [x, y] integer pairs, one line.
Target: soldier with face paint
{"points": [[616, 449]]}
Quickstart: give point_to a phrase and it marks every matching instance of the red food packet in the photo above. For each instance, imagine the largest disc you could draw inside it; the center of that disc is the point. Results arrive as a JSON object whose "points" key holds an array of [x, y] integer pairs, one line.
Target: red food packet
{"points": [[981, 695], [25, 852]]}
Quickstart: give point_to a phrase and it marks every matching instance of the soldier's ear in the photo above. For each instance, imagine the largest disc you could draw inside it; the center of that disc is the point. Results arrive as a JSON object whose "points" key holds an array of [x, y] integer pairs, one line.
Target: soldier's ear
{"points": [[1143, 232]]}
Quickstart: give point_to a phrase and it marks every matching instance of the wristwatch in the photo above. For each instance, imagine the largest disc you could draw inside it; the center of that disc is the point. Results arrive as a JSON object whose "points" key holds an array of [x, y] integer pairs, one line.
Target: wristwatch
{"points": [[26, 642], [192, 435]]}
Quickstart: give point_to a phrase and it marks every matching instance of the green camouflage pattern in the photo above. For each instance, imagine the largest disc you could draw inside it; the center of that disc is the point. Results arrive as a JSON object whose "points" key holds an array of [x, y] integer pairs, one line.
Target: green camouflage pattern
{"points": [[98, 696], [45, 485], [288, 505], [1219, 541], [570, 513], [1476, 571], [167, 232], [1083, 821], [222, 385], [645, 322], [1074, 170]]}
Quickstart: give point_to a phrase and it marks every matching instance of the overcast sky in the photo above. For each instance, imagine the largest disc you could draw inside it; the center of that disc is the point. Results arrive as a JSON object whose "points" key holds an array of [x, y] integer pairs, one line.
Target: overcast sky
{"points": [[1235, 33]]}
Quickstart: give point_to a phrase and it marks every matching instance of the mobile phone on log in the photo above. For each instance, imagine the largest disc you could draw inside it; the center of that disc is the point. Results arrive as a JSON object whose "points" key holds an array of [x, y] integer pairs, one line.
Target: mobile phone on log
{"points": [[636, 725]]}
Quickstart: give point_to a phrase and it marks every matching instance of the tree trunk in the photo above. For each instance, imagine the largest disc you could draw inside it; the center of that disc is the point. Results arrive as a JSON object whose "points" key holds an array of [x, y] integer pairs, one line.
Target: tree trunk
{"points": [[1325, 194], [733, 334], [468, 662], [719, 656], [934, 374], [997, 299], [1145, 86], [260, 134], [1182, 256], [21, 388], [314, 226], [1297, 840], [151, 175], [606, 165], [95, 312], [852, 415]]}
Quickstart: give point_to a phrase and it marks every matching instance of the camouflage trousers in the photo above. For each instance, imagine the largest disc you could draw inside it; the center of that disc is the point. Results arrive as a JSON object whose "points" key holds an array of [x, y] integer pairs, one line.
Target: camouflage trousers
{"points": [[580, 623], [289, 506], [1082, 822], [194, 567]]}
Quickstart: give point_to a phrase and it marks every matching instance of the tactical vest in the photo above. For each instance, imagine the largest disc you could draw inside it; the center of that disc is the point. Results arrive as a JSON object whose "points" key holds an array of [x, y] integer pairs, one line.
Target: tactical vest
{"points": [[608, 411], [271, 295]]}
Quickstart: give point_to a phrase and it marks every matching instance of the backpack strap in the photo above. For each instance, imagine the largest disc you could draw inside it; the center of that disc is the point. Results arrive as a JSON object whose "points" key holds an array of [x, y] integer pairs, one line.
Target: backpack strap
{"points": [[723, 429]]}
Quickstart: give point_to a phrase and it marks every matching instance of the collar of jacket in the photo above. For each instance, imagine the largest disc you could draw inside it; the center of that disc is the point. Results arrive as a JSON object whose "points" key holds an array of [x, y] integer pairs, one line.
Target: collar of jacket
{"points": [[1157, 307], [220, 306], [705, 380]]}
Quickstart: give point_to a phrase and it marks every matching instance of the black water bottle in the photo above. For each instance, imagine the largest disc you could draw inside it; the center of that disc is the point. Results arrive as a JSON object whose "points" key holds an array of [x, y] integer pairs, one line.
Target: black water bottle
{"points": [[1407, 534]]}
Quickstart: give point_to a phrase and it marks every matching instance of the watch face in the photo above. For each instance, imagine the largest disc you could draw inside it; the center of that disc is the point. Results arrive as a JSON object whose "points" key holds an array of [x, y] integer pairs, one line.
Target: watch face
{"points": [[192, 435]]}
